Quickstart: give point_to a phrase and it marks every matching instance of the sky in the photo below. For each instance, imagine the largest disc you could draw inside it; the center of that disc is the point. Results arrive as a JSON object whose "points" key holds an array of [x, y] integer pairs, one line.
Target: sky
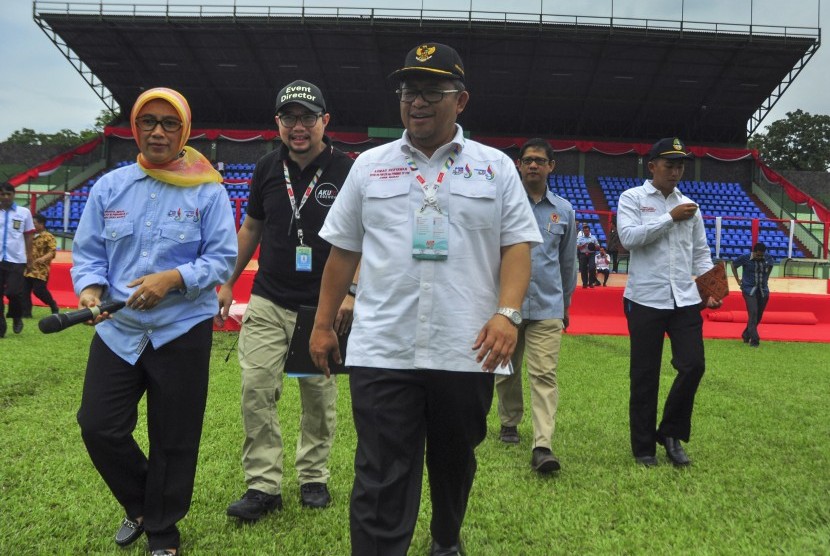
{"points": [[40, 90]]}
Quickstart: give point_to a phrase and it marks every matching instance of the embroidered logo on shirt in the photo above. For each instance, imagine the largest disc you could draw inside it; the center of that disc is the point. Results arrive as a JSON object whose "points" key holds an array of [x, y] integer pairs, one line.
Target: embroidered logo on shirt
{"points": [[186, 215], [554, 218], [325, 194], [114, 214], [487, 173], [17, 224]]}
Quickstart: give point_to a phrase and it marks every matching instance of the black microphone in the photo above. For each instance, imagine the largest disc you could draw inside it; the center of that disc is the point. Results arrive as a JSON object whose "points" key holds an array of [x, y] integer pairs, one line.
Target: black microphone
{"points": [[60, 321]]}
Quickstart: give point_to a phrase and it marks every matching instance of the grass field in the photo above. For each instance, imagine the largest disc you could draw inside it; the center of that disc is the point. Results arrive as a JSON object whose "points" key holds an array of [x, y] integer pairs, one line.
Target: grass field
{"points": [[760, 482]]}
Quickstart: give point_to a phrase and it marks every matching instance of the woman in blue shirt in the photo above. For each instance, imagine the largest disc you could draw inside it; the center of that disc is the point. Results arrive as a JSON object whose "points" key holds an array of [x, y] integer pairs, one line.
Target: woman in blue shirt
{"points": [[159, 235]]}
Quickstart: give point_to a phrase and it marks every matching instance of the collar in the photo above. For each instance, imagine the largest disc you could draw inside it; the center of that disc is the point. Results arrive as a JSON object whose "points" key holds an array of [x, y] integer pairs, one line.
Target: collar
{"points": [[12, 207], [407, 148], [651, 190]]}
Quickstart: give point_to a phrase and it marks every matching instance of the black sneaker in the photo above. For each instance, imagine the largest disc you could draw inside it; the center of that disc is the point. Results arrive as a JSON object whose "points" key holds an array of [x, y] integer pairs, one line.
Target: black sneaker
{"points": [[315, 495], [17, 326], [254, 504]]}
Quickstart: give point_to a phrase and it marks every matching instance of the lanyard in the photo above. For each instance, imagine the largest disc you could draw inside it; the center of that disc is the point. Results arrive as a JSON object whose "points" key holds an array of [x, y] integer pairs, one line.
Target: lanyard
{"points": [[5, 232], [431, 190], [294, 208]]}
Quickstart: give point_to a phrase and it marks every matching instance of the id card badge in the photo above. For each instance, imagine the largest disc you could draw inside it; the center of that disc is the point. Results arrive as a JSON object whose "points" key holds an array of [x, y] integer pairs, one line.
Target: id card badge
{"points": [[303, 258], [430, 235]]}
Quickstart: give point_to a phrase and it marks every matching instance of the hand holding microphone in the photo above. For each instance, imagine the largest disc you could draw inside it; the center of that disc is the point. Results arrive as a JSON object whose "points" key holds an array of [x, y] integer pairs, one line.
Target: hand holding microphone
{"points": [[62, 321]]}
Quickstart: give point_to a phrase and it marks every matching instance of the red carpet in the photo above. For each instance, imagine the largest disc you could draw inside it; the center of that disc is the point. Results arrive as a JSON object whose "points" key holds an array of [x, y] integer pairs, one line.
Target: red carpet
{"points": [[600, 311]]}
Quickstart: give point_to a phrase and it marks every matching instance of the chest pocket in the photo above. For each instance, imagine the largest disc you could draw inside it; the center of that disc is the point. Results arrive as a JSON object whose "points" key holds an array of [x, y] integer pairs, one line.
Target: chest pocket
{"points": [[472, 204], [179, 244], [117, 235], [386, 203]]}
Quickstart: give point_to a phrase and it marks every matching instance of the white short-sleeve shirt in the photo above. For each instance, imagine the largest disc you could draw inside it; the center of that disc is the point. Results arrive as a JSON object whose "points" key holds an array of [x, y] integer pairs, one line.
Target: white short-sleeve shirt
{"points": [[422, 314]]}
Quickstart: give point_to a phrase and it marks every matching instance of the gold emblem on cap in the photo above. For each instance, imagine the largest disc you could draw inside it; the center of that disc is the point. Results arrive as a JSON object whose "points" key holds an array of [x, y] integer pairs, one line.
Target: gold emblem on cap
{"points": [[424, 52], [677, 145]]}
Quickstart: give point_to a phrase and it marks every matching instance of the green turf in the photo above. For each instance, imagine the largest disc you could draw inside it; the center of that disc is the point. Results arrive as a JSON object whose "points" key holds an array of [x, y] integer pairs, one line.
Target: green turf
{"points": [[760, 482]]}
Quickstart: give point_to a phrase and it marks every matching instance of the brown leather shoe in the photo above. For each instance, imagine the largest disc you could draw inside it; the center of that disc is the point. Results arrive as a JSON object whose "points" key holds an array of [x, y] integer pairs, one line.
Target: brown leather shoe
{"points": [[543, 461]]}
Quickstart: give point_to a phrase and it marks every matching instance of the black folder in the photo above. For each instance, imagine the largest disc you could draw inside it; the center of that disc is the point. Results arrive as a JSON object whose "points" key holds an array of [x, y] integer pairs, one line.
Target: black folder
{"points": [[298, 363]]}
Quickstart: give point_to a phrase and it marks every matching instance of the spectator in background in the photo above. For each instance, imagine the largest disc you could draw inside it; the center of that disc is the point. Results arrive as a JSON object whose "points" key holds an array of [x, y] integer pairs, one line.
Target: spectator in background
{"points": [[16, 230], [544, 310], [586, 245], [602, 262], [614, 245], [44, 249], [754, 282], [158, 235], [659, 224]]}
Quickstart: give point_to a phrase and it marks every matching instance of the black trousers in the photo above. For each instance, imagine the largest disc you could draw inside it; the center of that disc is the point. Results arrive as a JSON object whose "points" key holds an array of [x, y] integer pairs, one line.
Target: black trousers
{"points": [[38, 287], [605, 273], [646, 329], [175, 377], [587, 268], [397, 414], [755, 305], [614, 260], [11, 286]]}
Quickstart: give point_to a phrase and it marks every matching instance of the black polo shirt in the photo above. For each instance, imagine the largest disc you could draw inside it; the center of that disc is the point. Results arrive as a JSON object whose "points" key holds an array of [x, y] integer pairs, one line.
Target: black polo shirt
{"points": [[277, 278]]}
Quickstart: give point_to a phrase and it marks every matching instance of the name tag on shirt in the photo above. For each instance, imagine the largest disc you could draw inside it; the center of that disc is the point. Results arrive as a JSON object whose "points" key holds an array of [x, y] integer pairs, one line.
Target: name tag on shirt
{"points": [[430, 236]]}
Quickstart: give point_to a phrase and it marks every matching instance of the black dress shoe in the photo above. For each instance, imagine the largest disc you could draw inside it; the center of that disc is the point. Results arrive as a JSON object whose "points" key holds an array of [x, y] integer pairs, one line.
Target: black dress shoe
{"points": [[17, 326], [677, 455], [646, 461], [543, 461], [438, 550], [509, 435], [254, 504], [128, 532], [315, 495], [165, 552]]}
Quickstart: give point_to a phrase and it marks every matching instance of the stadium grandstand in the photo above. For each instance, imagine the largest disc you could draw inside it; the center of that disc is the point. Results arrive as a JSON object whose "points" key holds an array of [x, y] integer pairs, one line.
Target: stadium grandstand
{"points": [[600, 89]]}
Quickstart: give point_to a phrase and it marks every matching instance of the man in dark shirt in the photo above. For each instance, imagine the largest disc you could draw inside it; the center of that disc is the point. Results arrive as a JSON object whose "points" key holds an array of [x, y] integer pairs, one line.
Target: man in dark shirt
{"points": [[292, 190], [757, 267]]}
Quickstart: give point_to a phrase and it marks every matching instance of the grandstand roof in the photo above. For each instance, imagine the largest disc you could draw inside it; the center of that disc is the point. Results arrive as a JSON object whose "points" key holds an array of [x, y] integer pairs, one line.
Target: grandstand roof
{"points": [[554, 77]]}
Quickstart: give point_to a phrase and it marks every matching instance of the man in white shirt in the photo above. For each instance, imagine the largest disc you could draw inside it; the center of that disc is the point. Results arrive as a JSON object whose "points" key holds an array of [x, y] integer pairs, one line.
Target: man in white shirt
{"points": [[663, 230], [16, 232], [444, 230]]}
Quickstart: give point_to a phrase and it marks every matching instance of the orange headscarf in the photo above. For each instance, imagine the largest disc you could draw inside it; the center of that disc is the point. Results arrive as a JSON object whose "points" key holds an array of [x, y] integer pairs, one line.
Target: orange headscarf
{"points": [[190, 167]]}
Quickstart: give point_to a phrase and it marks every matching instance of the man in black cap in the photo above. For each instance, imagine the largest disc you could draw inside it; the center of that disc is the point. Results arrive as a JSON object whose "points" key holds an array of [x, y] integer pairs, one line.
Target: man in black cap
{"points": [[757, 266], [663, 231], [443, 230], [291, 193]]}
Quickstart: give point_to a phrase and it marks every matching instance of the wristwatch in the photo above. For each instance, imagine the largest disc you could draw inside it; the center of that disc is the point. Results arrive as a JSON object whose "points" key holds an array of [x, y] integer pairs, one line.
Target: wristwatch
{"points": [[513, 315], [353, 289]]}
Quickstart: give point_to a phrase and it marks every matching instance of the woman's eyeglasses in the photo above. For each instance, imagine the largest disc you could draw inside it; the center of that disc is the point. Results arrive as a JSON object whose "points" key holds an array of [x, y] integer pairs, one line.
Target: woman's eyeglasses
{"points": [[149, 123]]}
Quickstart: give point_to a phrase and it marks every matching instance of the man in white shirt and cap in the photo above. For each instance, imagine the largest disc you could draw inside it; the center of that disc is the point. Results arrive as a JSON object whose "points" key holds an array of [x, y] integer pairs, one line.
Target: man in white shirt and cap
{"points": [[663, 231]]}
